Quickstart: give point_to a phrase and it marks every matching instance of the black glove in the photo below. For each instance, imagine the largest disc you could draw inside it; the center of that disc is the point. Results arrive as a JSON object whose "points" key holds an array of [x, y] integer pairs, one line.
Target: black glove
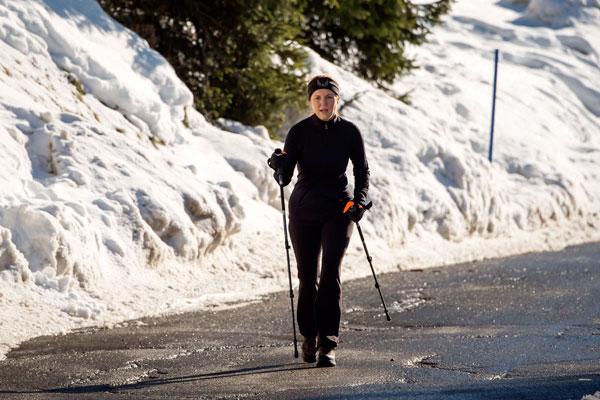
{"points": [[354, 211], [276, 160]]}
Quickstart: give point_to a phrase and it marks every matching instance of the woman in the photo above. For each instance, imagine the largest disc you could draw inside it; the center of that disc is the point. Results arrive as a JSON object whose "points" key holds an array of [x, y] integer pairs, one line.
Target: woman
{"points": [[321, 210]]}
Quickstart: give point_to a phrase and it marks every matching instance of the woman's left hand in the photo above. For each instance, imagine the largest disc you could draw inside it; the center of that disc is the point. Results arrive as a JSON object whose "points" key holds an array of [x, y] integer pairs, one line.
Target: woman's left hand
{"points": [[354, 211]]}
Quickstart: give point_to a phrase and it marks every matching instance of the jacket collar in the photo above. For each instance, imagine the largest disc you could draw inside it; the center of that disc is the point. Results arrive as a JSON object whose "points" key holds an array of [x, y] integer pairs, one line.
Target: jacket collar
{"points": [[322, 124]]}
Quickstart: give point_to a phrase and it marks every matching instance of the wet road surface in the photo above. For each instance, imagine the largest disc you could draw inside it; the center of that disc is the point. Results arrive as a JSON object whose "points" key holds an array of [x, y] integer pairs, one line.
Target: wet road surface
{"points": [[523, 327]]}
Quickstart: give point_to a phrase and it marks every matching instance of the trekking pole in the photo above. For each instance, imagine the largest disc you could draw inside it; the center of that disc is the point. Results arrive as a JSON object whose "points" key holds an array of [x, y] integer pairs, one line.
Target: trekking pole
{"points": [[362, 238], [287, 252]]}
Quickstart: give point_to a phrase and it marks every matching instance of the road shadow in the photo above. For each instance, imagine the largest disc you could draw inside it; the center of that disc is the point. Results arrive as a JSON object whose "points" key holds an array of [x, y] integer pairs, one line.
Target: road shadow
{"points": [[551, 388], [265, 369], [554, 388]]}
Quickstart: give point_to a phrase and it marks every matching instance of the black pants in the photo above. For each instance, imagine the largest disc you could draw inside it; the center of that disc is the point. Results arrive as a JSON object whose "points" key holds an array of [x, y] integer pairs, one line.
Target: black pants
{"points": [[319, 303]]}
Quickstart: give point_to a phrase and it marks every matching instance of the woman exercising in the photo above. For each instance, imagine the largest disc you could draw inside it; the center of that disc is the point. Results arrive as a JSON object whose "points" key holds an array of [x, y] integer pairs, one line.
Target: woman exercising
{"points": [[322, 209]]}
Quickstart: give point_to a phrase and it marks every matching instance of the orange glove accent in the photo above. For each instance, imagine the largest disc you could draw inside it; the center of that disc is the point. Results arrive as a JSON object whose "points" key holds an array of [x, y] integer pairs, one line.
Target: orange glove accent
{"points": [[349, 204]]}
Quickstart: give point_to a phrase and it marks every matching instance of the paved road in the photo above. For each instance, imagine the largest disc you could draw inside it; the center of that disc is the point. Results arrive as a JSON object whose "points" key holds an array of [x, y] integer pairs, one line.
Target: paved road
{"points": [[525, 327]]}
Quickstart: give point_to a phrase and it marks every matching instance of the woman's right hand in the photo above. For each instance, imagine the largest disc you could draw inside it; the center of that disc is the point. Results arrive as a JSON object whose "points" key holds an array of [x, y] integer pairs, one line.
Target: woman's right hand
{"points": [[276, 160]]}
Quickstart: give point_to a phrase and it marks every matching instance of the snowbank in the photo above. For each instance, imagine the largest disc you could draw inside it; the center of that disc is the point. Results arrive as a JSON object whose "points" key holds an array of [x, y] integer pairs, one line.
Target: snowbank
{"points": [[109, 205], [119, 200], [561, 13]]}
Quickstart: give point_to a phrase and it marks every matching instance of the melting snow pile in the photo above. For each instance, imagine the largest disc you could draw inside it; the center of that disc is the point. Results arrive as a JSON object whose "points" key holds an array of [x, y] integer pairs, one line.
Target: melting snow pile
{"points": [[111, 206], [119, 200]]}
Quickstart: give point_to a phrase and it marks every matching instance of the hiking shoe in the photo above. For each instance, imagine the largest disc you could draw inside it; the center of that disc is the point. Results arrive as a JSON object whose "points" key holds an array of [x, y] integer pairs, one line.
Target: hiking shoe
{"points": [[309, 350], [326, 357]]}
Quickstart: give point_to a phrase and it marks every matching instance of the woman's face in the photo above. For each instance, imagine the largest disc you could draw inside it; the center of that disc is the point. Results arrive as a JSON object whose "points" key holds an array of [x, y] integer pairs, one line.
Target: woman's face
{"points": [[324, 104]]}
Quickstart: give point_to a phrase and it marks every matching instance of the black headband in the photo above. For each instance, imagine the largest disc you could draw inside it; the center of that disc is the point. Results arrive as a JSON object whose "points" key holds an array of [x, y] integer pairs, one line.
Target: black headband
{"points": [[322, 83]]}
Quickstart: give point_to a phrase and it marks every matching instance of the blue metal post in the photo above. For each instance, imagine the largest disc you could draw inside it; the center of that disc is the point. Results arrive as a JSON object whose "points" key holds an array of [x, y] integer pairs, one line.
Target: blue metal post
{"points": [[493, 104]]}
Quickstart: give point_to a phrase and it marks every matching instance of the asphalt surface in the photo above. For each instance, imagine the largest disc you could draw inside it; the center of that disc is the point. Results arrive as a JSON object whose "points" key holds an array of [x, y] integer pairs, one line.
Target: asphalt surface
{"points": [[524, 327]]}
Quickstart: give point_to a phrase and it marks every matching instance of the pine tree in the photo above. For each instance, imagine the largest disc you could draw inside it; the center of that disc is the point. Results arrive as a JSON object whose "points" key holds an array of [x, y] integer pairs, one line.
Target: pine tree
{"points": [[242, 61], [369, 37], [235, 56]]}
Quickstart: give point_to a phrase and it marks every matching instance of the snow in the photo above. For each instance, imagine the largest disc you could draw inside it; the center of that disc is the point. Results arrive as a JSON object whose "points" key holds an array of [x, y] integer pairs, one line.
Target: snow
{"points": [[561, 13], [119, 200]]}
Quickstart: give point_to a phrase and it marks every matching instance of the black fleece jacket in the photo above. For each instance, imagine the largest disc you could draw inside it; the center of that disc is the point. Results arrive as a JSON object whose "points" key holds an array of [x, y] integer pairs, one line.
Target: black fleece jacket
{"points": [[321, 149]]}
